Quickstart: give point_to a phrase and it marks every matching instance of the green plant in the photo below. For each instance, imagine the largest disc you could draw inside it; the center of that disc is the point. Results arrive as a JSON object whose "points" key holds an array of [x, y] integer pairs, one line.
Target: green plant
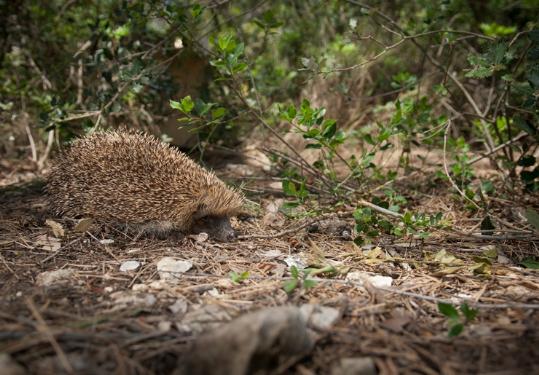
{"points": [[370, 224], [237, 278], [300, 278], [457, 319]]}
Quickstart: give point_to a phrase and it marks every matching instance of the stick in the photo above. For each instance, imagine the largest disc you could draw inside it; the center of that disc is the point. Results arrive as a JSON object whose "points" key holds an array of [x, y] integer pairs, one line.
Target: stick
{"points": [[43, 328]]}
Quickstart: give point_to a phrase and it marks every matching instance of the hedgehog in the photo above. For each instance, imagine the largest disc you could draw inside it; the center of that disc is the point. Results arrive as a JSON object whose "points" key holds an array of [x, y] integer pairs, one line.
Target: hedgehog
{"points": [[133, 179]]}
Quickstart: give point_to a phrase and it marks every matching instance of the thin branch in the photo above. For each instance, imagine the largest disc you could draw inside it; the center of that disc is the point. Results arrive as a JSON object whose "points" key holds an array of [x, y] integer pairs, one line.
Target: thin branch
{"points": [[497, 148], [447, 170], [32, 143]]}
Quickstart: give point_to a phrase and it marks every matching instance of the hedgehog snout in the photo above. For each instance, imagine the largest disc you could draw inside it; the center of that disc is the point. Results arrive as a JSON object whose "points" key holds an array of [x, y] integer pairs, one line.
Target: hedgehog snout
{"points": [[218, 228]]}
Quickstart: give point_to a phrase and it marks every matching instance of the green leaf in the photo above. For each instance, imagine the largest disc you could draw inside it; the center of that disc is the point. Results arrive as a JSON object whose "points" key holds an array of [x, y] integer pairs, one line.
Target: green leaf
{"points": [[329, 127], [238, 277], [294, 271], [186, 104], [456, 330], [448, 310], [307, 284], [289, 188], [524, 125], [196, 10], [487, 187], [530, 263], [175, 105], [468, 312], [407, 218], [291, 112], [487, 226], [121, 31], [533, 218], [311, 133], [479, 72], [226, 43], [239, 67], [368, 139], [218, 113], [290, 285]]}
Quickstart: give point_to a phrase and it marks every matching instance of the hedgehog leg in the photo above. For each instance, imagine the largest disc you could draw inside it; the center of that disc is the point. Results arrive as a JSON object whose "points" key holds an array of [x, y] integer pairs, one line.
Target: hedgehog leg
{"points": [[156, 229]]}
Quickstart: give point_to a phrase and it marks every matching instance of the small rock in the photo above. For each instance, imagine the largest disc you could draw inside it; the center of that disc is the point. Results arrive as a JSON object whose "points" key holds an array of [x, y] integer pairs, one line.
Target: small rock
{"points": [[271, 254], [333, 227], [139, 288], [296, 261], [276, 185], [50, 278], [502, 259], [355, 366], [200, 237], [164, 326], [225, 283], [179, 307], [377, 281], [213, 293], [273, 206], [129, 265], [257, 158], [108, 289], [170, 269], [123, 299], [274, 219], [320, 317], [239, 169], [158, 285], [203, 317]]}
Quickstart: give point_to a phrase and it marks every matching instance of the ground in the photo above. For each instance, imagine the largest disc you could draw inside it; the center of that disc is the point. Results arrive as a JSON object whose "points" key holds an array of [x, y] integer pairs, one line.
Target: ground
{"points": [[95, 318]]}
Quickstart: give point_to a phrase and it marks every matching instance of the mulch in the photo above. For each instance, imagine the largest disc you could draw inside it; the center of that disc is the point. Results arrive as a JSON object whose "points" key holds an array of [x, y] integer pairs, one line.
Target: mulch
{"points": [[85, 325]]}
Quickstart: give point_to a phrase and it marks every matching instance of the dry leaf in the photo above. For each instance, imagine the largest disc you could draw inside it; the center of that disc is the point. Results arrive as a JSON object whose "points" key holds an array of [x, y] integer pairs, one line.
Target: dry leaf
{"points": [[446, 259], [57, 228], [48, 243], [83, 225]]}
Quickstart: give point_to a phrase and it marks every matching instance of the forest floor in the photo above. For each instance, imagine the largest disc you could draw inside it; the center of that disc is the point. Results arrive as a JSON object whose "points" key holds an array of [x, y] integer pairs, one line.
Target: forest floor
{"points": [[68, 305]]}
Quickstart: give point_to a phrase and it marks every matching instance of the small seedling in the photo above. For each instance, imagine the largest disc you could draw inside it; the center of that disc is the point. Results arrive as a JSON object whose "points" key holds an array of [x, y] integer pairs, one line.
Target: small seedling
{"points": [[237, 278], [298, 279], [457, 320]]}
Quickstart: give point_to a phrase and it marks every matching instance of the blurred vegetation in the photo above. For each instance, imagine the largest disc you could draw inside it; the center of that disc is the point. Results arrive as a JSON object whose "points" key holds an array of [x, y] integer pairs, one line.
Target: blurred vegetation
{"points": [[452, 75]]}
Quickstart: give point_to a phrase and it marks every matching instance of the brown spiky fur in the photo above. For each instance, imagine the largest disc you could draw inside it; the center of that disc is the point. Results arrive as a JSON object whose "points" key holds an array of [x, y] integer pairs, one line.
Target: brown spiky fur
{"points": [[133, 178]]}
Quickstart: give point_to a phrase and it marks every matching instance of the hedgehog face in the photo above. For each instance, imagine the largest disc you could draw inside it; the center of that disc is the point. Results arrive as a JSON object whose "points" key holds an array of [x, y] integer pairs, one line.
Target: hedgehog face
{"points": [[217, 227]]}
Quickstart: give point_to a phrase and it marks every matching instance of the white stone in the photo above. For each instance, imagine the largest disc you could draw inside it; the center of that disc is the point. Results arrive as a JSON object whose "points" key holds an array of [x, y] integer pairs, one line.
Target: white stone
{"points": [[320, 317], [129, 265], [170, 269], [378, 281], [179, 307], [49, 278]]}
